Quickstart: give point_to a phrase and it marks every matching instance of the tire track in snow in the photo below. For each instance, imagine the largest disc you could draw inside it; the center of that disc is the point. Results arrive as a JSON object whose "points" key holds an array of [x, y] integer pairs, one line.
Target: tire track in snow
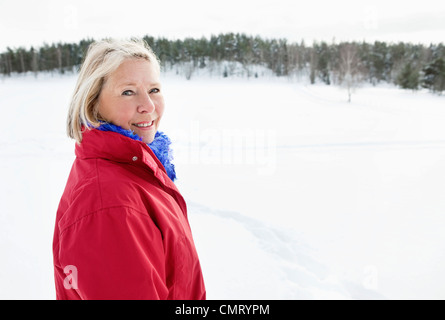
{"points": [[293, 257]]}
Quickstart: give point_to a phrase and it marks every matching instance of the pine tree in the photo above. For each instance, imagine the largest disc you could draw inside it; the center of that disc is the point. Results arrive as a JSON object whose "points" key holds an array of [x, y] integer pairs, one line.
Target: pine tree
{"points": [[323, 53], [434, 75], [378, 60], [408, 78]]}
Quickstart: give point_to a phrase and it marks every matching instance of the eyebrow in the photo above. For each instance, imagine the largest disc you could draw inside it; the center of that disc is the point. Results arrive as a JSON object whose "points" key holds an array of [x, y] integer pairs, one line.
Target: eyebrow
{"points": [[134, 84]]}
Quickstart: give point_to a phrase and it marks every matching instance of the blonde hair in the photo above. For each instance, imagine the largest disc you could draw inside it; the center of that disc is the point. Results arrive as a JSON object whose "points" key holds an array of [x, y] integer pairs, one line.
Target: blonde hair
{"points": [[102, 59]]}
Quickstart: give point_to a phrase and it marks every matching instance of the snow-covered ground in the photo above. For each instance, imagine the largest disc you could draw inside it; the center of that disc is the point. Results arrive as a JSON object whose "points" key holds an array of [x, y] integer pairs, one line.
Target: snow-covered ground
{"points": [[293, 193]]}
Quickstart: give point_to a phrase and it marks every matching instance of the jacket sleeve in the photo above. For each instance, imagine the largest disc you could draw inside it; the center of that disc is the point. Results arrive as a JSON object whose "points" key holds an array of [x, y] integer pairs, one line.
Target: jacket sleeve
{"points": [[117, 253]]}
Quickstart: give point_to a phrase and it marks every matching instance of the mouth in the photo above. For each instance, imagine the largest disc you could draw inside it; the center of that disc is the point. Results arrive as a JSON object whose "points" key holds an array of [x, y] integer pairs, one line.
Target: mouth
{"points": [[144, 125]]}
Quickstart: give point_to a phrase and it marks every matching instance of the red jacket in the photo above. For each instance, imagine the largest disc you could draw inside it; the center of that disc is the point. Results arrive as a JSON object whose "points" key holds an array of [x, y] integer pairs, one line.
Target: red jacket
{"points": [[121, 229]]}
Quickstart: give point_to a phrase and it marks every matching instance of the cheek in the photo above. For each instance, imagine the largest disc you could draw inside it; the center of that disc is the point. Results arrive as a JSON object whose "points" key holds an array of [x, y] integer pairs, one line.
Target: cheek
{"points": [[124, 117], [117, 114], [160, 106]]}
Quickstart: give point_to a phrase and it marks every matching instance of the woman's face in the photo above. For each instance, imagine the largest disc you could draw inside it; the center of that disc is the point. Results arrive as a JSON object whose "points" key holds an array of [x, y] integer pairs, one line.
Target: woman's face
{"points": [[131, 98]]}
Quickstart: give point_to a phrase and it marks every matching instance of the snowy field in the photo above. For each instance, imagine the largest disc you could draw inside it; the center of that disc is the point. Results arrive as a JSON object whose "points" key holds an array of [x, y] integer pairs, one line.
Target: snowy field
{"points": [[293, 193]]}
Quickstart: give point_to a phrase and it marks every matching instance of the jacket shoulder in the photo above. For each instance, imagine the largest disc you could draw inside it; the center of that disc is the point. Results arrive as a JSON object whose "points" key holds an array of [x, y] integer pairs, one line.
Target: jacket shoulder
{"points": [[97, 184]]}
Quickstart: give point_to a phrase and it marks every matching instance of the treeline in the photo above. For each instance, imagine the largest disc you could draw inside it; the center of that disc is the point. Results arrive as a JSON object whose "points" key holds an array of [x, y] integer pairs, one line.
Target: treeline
{"points": [[410, 66]]}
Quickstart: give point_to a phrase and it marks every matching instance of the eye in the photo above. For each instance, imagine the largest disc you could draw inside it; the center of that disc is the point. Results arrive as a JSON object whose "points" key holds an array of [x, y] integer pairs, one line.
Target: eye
{"points": [[155, 90], [128, 93]]}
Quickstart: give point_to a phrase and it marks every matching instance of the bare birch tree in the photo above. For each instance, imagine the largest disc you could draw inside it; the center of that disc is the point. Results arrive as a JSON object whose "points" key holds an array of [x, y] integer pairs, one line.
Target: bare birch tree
{"points": [[349, 69]]}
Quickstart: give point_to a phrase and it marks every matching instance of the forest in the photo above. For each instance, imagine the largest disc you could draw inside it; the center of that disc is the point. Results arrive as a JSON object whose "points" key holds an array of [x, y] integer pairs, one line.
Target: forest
{"points": [[407, 65]]}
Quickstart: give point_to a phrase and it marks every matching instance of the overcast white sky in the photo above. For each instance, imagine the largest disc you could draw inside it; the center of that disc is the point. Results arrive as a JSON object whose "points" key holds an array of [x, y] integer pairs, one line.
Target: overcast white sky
{"points": [[26, 23]]}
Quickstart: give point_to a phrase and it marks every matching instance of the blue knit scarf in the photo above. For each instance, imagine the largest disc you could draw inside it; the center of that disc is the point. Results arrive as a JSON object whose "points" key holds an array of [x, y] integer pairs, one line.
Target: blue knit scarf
{"points": [[160, 146]]}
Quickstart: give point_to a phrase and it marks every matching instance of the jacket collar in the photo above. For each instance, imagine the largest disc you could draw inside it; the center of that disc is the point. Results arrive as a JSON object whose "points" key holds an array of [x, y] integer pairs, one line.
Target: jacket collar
{"points": [[116, 147], [160, 146], [113, 146]]}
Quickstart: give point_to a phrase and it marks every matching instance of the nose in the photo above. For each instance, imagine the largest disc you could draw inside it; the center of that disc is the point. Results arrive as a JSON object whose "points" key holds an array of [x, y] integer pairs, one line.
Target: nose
{"points": [[146, 104]]}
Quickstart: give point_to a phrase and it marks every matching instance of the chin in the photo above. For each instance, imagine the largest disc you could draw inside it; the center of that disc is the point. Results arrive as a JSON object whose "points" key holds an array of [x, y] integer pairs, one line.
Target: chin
{"points": [[148, 139]]}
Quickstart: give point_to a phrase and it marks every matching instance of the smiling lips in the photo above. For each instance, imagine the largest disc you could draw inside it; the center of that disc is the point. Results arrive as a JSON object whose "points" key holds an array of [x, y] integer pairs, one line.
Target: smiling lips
{"points": [[144, 125]]}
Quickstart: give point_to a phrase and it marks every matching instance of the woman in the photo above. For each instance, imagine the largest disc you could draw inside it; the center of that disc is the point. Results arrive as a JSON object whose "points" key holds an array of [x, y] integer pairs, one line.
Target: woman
{"points": [[121, 228]]}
